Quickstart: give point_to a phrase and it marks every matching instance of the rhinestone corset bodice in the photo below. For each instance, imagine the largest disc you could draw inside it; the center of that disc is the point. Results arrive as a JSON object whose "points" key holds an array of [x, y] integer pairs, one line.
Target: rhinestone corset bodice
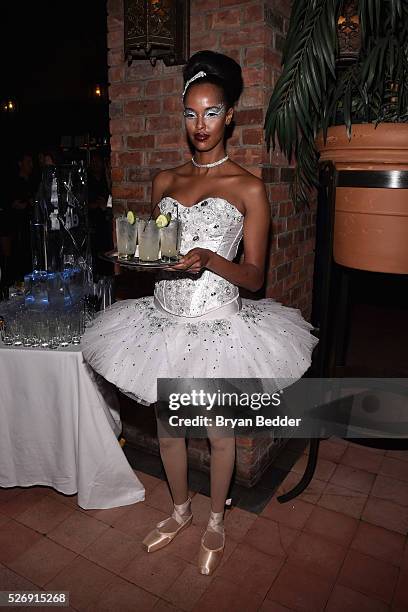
{"points": [[213, 224]]}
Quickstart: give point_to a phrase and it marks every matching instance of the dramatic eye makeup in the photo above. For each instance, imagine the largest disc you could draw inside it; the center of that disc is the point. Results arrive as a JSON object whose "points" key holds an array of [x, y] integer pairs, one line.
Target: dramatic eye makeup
{"points": [[189, 114], [215, 111], [210, 113]]}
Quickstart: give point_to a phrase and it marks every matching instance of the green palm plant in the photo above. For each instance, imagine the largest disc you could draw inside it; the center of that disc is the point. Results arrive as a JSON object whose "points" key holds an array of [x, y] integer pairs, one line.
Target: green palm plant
{"points": [[316, 91]]}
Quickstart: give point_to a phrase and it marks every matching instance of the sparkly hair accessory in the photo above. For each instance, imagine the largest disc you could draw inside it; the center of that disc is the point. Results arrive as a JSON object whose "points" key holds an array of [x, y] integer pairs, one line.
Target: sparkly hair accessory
{"points": [[196, 76]]}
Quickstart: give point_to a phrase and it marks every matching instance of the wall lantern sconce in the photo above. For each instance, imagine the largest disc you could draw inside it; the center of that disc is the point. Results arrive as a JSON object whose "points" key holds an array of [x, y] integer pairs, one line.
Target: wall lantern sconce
{"points": [[97, 91], [9, 106], [348, 32], [157, 29]]}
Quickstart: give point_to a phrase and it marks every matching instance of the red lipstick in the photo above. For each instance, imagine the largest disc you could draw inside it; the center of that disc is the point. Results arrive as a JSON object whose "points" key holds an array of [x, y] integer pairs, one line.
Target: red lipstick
{"points": [[201, 137]]}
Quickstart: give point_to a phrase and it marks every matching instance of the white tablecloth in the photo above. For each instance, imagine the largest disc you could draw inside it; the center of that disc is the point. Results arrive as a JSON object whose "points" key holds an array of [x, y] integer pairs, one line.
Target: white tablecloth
{"points": [[58, 427]]}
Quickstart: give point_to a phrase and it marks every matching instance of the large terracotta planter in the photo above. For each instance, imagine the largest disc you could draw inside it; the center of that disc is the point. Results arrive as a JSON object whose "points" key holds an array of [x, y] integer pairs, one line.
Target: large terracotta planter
{"points": [[371, 224]]}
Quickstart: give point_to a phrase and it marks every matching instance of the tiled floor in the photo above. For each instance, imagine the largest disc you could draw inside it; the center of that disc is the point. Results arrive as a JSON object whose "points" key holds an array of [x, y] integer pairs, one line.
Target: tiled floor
{"points": [[341, 546]]}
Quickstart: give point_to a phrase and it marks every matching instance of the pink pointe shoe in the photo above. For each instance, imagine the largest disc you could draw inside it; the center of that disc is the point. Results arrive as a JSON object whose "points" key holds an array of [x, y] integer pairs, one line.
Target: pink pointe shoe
{"points": [[164, 531], [210, 556]]}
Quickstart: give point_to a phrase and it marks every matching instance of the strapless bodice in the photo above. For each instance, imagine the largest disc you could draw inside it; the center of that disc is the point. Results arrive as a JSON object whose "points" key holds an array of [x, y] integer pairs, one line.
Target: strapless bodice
{"points": [[214, 224]]}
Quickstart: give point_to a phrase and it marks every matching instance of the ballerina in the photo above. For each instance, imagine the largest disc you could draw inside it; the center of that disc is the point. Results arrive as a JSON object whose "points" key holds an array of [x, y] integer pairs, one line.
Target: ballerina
{"points": [[196, 325]]}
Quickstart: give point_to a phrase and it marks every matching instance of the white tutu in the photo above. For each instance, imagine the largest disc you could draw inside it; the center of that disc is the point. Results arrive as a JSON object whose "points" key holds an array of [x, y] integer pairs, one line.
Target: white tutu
{"points": [[134, 343], [197, 329]]}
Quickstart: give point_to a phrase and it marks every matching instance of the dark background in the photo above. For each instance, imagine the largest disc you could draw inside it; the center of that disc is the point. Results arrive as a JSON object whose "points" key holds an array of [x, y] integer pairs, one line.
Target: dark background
{"points": [[53, 53]]}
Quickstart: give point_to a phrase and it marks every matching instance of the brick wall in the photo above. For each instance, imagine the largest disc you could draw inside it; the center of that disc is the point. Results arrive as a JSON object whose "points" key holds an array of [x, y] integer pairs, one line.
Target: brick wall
{"points": [[147, 128]]}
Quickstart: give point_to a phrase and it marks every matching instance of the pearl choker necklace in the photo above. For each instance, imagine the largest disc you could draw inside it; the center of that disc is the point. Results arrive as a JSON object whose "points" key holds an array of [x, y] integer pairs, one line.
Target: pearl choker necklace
{"points": [[217, 163]]}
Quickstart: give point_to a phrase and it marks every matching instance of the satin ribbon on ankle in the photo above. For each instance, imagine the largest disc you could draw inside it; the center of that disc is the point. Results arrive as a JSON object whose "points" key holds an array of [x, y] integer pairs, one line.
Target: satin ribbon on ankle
{"points": [[157, 539], [179, 514], [216, 522], [209, 559]]}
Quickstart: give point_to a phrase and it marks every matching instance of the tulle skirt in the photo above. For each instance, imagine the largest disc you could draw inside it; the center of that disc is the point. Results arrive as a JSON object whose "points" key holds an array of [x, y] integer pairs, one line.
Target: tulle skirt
{"points": [[134, 342]]}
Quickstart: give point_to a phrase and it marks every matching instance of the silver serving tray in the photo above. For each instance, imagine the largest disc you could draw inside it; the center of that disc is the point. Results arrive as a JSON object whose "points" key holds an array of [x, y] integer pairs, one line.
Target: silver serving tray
{"points": [[135, 263]]}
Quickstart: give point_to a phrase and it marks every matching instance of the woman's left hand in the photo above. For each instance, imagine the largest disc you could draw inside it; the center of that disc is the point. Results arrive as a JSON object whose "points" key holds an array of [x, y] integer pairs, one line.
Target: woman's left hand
{"points": [[194, 261]]}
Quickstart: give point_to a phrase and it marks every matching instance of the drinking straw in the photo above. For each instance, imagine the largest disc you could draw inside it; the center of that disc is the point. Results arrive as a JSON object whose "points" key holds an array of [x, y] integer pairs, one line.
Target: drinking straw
{"points": [[178, 227], [151, 216]]}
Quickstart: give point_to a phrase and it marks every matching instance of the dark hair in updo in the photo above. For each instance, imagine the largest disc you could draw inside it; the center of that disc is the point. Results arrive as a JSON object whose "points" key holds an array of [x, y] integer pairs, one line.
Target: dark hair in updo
{"points": [[221, 70]]}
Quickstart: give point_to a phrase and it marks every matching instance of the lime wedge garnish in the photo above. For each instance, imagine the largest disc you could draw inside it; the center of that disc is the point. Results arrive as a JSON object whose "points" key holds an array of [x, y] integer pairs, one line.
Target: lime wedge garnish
{"points": [[162, 221], [131, 217]]}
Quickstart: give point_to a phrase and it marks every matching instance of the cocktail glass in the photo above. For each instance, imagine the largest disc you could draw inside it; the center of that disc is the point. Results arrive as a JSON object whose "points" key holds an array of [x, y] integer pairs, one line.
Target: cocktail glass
{"points": [[149, 240], [126, 234], [170, 237]]}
